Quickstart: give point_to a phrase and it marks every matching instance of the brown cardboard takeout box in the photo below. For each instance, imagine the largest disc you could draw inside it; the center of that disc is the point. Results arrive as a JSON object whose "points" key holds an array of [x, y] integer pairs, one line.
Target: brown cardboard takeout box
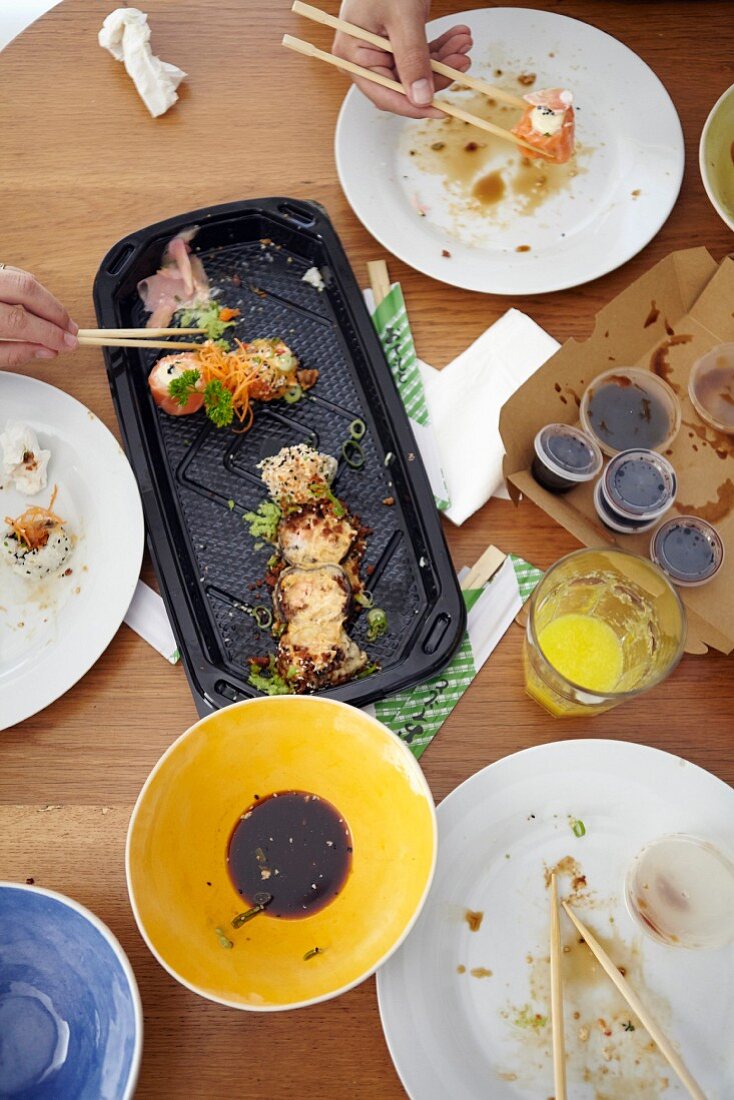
{"points": [[664, 321]]}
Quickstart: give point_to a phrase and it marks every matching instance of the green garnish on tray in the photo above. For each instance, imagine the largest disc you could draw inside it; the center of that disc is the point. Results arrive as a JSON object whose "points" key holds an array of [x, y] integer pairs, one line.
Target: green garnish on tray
{"points": [[268, 680], [376, 623], [264, 522], [206, 317]]}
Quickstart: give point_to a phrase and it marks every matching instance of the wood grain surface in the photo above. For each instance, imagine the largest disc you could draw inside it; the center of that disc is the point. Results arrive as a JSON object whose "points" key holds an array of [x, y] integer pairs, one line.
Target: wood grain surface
{"points": [[81, 165]]}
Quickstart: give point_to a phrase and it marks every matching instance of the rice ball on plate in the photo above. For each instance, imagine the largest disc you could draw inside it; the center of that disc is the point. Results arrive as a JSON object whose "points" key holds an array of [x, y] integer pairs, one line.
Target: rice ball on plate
{"points": [[40, 561]]}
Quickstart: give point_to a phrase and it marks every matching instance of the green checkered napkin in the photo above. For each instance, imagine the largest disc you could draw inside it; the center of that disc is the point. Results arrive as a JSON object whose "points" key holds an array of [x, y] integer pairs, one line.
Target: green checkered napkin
{"points": [[417, 715], [393, 328]]}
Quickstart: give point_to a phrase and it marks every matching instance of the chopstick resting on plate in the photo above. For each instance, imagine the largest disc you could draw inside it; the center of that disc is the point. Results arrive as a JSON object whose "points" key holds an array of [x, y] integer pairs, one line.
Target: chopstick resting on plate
{"points": [[663, 1044], [309, 50], [318, 16], [556, 979]]}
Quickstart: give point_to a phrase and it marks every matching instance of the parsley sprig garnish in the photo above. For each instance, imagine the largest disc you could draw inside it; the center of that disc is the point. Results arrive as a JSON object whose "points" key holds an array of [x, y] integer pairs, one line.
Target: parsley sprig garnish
{"points": [[217, 398]]}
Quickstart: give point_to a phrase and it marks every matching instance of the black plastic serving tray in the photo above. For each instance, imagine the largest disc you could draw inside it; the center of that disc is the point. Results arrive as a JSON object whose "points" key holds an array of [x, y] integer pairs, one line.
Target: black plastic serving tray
{"points": [[196, 481]]}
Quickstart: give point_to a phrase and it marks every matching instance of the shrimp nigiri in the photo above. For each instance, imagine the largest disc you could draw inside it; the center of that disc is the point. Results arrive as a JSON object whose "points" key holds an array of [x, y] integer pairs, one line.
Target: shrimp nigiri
{"points": [[548, 124]]}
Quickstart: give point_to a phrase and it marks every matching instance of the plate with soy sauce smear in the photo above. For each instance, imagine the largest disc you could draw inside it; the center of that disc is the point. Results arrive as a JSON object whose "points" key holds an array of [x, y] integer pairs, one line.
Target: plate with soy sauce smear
{"points": [[465, 1002], [470, 209], [280, 851]]}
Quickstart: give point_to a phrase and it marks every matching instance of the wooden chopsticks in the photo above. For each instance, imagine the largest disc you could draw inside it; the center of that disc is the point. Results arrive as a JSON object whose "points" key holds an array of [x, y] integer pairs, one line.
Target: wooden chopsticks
{"points": [[309, 50], [484, 569], [142, 332], [556, 979], [318, 16], [663, 1044], [137, 338]]}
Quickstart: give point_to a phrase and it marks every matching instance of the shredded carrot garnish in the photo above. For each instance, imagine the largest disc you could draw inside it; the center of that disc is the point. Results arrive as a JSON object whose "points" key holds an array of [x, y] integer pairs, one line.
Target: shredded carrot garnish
{"points": [[227, 314], [236, 373], [35, 524]]}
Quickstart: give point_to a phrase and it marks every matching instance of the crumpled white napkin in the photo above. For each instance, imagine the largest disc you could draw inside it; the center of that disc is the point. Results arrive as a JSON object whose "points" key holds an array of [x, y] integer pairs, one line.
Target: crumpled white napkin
{"points": [[126, 34], [464, 401]]}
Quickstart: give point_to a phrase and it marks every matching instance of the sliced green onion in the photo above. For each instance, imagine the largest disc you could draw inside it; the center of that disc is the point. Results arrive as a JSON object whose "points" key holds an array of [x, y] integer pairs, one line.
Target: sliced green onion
{"points": [[293, 394], [224, 941], [357, 429], [376, 623], [364, 599], [353, 454], [578, 828], [263, 616]]}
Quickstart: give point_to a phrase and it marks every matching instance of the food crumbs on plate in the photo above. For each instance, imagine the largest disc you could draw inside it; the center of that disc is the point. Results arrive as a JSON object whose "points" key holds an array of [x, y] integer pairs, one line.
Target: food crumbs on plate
{"points": [[523, 248], [530, 1020], [636, 193], [313, 953], [388, 502], [527, 79], [445, 253], [480, 972], [230, 505], [473, 919], [461, 969]]}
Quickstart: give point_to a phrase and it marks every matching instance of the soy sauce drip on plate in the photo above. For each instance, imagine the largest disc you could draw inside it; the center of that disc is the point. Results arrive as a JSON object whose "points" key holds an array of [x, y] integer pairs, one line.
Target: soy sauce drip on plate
{"points": [[294, 846]]}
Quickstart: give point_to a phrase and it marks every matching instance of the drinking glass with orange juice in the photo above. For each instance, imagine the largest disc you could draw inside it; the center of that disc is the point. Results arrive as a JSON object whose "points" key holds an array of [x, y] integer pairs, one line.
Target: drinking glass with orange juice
{"points": [[604, 626]]}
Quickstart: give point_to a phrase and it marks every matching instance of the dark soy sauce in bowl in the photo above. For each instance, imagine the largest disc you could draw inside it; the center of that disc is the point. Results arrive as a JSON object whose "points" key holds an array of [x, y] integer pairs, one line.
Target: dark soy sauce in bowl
{"points": [[294, 847]]}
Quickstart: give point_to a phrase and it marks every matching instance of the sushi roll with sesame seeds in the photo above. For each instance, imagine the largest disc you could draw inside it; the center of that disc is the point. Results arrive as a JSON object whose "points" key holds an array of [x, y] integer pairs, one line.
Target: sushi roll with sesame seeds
{"points": [[36, 544]]}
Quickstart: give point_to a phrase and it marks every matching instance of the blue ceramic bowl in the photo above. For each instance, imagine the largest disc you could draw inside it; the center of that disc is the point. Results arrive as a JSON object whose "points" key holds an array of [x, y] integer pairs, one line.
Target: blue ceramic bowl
{"points": [[71, 1022]]}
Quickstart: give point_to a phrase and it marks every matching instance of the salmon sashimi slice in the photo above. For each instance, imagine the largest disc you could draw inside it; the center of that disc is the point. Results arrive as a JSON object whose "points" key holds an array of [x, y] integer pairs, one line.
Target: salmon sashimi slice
{"points": [[548, 124]]}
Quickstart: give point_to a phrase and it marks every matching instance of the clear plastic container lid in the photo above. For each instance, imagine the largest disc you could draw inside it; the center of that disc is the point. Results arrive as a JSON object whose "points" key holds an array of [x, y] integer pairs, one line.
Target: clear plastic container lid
{"points": [[568, 452], [711, 387], [639, 484], [628, 407], [609, 518], [688, 549]]}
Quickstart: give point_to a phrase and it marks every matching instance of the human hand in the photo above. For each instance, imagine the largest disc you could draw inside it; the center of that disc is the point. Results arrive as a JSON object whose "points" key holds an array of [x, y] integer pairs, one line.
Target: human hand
{"points": [[404, 23], [33, 325]]}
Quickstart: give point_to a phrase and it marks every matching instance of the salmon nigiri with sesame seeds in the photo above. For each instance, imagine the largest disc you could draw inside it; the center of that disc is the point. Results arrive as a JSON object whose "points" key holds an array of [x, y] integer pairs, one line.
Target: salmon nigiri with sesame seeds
{"points": [[548, 124]]}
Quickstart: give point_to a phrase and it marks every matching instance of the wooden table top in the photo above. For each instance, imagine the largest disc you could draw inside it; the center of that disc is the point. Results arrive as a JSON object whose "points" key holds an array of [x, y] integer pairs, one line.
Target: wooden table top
{"points": [[81, 165]]}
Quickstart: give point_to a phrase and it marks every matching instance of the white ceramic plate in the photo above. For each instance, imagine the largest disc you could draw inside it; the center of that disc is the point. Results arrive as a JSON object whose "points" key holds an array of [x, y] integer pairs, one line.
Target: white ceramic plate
{"points": [[459, 1035], [630, 162], [52, 631]]}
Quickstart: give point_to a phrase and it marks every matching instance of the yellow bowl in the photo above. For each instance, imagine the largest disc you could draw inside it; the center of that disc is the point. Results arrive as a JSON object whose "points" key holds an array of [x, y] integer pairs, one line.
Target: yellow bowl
{"points": [[177, 877], [716, 156]]}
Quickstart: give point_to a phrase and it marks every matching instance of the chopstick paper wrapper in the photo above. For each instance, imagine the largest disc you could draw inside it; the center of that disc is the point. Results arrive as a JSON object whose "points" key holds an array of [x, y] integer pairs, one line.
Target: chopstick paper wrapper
{"points": [[417, 715], [147, 616], [393, 329]]}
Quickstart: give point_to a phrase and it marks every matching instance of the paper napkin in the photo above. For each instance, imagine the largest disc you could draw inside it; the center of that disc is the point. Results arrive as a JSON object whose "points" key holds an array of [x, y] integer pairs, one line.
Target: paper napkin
{"points": [[455, 412], [126, 34], [147, 616], [464, 401]]}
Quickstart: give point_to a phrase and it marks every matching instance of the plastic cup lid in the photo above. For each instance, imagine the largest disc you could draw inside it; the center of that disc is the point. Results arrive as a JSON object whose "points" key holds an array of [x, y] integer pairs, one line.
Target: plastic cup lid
{"points": [[688, 549], [549, 447], [624, 525], [639, 484]]}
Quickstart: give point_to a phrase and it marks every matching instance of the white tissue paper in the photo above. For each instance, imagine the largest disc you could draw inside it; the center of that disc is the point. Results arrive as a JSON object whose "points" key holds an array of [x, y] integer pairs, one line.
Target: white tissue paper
{"points": [[126, 34], [464, 401]]}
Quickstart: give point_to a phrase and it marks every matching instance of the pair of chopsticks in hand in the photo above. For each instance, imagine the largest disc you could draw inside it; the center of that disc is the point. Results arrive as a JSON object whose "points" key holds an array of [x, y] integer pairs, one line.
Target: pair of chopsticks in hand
{"points": [[138, 338], [650, 1025], [327, 20]]}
